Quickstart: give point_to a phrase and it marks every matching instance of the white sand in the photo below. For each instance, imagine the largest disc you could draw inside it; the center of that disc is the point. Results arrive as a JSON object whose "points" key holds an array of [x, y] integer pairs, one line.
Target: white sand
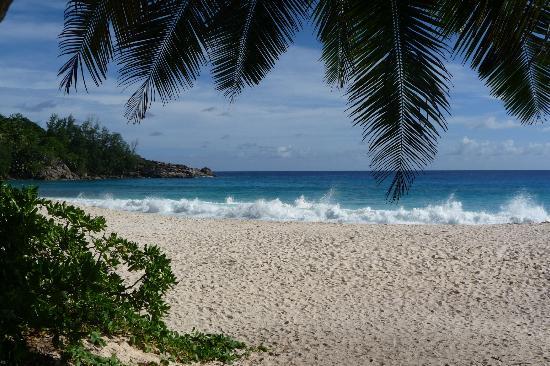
{"points": [[341, 294]]}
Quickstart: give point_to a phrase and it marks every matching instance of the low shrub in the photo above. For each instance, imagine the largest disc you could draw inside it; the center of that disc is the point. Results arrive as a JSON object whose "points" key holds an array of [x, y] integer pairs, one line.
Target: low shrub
{"points": [[60, 273]]}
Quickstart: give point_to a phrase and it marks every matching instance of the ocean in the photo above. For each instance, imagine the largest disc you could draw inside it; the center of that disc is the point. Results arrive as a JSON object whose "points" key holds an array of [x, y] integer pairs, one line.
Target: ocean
{"points": [[437, 197]]}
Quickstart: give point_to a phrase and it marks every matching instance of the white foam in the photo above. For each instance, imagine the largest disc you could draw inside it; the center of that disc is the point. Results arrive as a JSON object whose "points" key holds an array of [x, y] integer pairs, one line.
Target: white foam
{"points": [[521, 209]]}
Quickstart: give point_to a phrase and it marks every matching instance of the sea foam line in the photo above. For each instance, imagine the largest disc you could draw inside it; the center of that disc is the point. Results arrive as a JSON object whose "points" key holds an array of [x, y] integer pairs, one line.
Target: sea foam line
{"points": [[520, 209]]}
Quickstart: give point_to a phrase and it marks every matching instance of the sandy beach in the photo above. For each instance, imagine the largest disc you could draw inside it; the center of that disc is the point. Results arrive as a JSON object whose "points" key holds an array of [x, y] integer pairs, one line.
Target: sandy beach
{"points": [[345, 294]]}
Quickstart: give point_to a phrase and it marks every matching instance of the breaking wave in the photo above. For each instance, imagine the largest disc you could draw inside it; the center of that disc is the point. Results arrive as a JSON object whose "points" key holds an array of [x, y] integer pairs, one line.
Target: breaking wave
{"points": [[520, 209]]}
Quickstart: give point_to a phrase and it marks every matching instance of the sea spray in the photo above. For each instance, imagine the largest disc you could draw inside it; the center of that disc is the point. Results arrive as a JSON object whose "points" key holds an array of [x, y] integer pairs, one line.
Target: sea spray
{"points": [[520, 209]]}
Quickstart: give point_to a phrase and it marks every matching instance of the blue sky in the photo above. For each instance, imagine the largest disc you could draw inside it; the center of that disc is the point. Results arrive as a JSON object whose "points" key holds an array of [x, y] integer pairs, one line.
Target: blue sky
{"points": [[292, 121]]}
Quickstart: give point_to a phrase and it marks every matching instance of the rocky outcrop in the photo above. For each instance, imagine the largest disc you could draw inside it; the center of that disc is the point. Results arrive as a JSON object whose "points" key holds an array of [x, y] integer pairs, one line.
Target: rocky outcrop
{"points": [[57, 170], [207, 172], [158, 169]]}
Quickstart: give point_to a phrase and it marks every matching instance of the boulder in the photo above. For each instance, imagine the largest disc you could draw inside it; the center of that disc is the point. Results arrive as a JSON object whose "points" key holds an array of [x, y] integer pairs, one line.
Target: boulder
{"points": [[158, 169], [56, 171], [207, 172]]}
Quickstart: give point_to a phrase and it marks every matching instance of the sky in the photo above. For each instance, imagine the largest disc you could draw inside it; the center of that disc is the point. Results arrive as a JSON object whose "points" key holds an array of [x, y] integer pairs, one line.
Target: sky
{"points": [[292, 121]]}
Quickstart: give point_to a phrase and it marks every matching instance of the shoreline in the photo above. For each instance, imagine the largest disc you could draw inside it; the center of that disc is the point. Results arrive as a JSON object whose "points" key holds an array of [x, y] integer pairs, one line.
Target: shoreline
{"points": [[290, 222], [304, 221], [318, 293]]}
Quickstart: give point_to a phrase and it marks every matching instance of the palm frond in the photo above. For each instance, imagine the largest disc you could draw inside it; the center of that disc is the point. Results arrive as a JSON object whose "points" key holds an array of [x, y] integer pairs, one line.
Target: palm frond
{"points": [[86, 39], [164, 53], [334, 22], [124, 15], [537, 51], [247, 37], [398, 91], [506, 42], [4, 6]]}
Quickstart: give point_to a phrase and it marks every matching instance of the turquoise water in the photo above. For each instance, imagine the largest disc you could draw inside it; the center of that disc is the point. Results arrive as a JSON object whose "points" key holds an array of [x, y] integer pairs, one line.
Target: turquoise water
{"points": [[468, 197]]}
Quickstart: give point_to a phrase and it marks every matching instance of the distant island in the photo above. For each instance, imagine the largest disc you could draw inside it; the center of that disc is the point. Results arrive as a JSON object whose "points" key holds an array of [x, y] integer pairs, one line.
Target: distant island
{"points": [[71, 151]]}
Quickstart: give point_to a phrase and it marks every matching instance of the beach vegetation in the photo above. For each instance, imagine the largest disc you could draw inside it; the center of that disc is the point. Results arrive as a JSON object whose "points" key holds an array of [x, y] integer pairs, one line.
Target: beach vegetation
{"points": [[64, 278]]}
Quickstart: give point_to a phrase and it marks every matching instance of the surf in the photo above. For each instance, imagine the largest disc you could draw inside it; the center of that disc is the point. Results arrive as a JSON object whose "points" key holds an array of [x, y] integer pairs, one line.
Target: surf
{"points": [[520, 209]]}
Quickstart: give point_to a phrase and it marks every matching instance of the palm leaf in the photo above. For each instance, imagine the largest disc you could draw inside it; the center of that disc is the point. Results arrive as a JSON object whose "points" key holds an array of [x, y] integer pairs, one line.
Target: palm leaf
{"points": [[506, 42], [86, 39], [334, 23], [164, 52], [522, 82], [4, 6], [398, 91], [247, 37]]}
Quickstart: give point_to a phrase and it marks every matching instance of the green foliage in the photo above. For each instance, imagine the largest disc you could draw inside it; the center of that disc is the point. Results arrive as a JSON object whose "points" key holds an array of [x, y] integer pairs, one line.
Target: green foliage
{"points": [[22, 149], [5, 157], [80, 356], [88, 149], [60, 273]]}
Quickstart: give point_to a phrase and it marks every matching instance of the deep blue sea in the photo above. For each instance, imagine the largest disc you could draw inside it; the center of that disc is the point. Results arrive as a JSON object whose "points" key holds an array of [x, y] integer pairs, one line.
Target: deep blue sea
{"points": [[437, 197]]}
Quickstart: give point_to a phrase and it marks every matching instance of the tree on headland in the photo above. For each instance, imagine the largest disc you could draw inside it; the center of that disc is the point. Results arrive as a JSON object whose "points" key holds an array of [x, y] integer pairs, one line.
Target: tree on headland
{"points": [[389, 57], [87, 149]]}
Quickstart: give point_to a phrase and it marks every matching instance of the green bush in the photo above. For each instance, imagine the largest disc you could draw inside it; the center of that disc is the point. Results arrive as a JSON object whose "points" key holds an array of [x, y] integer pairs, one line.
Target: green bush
{"points": [[5, 157], [60, 274]]}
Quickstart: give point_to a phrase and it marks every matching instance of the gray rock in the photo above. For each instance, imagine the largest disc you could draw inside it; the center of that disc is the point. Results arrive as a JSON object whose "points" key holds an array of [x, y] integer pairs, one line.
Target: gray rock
{"points": [[207, 172], [157, 169], [56, 171]]}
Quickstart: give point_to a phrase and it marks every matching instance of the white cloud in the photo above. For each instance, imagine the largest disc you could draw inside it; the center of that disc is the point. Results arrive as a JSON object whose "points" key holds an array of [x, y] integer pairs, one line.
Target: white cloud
{"points": [[247, 150], [11, 30], [485, 148], [25, 78], [284, 151], [488, 122], [465, 83], [492, 124]]}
